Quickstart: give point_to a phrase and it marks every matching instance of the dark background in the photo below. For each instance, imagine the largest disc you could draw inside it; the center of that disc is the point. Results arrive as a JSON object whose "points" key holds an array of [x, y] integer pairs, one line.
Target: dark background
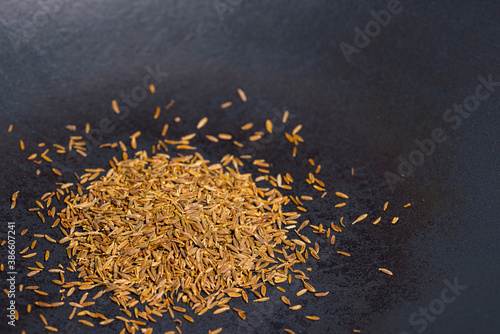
{"points": [[65, 67]]}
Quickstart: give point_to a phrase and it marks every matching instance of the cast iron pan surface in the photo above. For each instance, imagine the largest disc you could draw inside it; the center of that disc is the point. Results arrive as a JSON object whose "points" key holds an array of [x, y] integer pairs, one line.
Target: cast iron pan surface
{"points": [[62, 62]]}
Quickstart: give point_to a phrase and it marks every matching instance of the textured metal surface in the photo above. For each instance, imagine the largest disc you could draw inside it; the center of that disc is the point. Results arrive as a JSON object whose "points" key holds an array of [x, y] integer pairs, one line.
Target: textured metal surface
{"points": [[65, 66]]}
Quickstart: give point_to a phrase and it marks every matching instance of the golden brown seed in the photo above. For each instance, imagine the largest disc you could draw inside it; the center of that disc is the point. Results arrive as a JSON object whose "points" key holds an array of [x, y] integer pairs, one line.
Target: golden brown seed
{"points": [[226, 105], [222, 309], [321, 294], [152, 88], [242, 95], [212, 138], [295, 307], [339, 194], [21, 144], [360, 218], [385, 271], [187, 317], [377, 220], [309, 287], [285, 116], [215, 331], [289, 331], [386, 205], [285, 300], [301, 292], [164, 130], [85, 322], [269, 126], [225, 136], [296, 129], [157, 113], [312, 317], [170, 104], [343, 253], [14, 199], [114, 105], [407, 205], [202, 123], [179, 309], [394, 220], [51, 329], [247, 126]]}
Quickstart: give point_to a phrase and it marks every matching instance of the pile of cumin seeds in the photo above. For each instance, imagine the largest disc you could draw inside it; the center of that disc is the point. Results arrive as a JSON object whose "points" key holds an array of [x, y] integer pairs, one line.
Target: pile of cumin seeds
{"points": [[164, 228], [160, 230]]}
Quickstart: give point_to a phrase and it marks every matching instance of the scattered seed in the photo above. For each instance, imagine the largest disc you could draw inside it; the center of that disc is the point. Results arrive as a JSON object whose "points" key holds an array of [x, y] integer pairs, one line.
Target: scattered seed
{"points": [[157, 113], [339, 194], [187, 317], [394, 220], [13, 199], [247, 126], [385, 271], [85, 322], [343, 253], [226, 105], [269, 126], [296, 129], [285, 300], [301, 292], [225, 136], [202, 123], [114, 105], [212, 138], [360, 218], [242, 94], [321, 294], [170, 104], [285, 116]]}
